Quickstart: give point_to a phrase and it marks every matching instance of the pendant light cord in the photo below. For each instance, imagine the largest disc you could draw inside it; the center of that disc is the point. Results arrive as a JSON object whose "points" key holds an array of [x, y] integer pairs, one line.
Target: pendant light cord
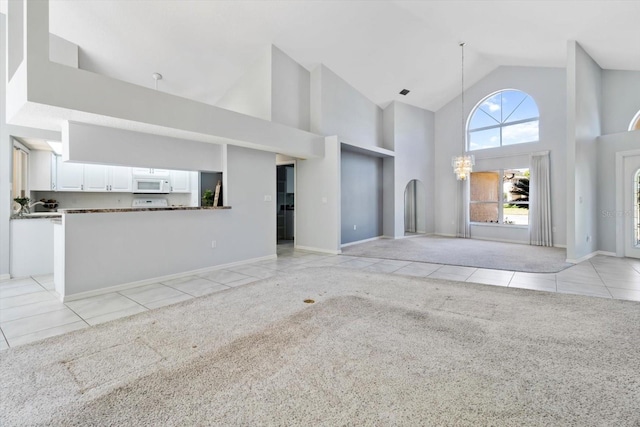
{"points": [[462, 100]]}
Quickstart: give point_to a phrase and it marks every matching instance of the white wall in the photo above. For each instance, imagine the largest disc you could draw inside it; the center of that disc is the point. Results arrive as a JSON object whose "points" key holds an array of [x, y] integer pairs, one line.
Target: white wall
{"points": [[86, 143], [620, 99], [608, 146], [585, 101], [318, 200], [63, 51], [146, 245], [339, 109], [251, 93], [290, 91], [414, 148], [6, 131], [547, 86]]}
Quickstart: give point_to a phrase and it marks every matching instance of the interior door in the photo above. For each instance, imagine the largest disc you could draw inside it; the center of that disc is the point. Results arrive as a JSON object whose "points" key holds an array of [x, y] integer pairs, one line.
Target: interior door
{"points": [[631, 212]]}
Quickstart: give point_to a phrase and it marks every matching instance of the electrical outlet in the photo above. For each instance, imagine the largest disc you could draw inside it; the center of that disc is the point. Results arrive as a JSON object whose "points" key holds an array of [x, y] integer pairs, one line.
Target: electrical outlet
{"points": [[267, 198], [213, 244], [354, 226], [554, 229]]}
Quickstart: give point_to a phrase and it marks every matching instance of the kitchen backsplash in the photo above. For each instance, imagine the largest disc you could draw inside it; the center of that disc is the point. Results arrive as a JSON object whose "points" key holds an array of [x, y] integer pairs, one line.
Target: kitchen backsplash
{"points": [[78, 200]]}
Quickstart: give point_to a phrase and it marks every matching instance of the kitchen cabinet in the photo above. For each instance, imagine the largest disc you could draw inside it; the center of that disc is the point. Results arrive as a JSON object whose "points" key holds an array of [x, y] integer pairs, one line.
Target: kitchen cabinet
{"points": [[42, 170], [151, 172], [70, 176], [120, 179], [96, 178], [180, 181]]}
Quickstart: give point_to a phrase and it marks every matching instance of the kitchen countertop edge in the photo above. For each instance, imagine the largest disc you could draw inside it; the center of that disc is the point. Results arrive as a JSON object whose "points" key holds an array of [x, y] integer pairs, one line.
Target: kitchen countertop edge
{"points": [[115, 210]]}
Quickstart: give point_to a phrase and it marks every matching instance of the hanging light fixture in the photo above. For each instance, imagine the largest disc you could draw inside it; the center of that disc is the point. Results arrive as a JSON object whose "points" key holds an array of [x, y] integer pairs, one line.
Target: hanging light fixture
{"points": [[462, 164]]}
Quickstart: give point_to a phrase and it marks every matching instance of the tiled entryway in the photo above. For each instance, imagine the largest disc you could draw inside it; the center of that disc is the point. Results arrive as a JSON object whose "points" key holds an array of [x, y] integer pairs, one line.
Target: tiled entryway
{"points": [[29, 310]]}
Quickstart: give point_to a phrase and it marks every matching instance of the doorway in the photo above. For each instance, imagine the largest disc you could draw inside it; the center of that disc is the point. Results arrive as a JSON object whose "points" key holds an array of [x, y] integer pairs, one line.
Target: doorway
{"points": [[631, 200], [414, 208], [285, 203]]}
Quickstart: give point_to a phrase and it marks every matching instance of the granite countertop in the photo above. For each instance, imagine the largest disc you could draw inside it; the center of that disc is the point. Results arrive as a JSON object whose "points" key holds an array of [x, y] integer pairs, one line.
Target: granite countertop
{"points": [[38, 215], [168, 208]]}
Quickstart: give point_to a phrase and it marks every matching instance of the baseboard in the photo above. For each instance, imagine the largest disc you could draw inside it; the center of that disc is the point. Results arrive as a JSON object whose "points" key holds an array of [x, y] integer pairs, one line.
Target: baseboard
{"points": [[5, 276], [560, 246], [321, 250], [518, 242], [124, 286], [444, 235], [361, 241], [607, 253], [582, 259]]}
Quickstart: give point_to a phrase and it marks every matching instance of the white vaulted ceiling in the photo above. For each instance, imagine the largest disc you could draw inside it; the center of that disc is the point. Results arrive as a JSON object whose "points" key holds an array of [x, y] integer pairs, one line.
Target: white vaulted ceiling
{"points": [[379, 47]]}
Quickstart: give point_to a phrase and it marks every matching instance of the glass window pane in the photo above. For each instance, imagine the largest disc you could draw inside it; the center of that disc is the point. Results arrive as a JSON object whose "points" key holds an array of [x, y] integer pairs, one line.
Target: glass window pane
{"points": [[484, 139], [493, 107], [483, 187], [526, 110], [515, 213], [520, 133], [511, 100], [480, 119], [483, 212]]}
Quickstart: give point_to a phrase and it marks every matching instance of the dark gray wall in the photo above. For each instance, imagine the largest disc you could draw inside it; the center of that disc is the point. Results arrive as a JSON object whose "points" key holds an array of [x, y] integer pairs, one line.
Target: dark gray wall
{"points": [[361, 188]]}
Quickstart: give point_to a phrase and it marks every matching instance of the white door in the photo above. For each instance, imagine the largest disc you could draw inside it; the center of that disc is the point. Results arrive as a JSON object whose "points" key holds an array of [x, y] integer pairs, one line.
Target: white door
{"points": [[95, 178], [121, 179], [631, 212], [70, 176]]}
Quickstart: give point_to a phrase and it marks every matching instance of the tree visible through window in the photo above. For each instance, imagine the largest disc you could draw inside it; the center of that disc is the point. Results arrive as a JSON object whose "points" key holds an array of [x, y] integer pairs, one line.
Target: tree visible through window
{"points": [[500, 197], [507, 117]]}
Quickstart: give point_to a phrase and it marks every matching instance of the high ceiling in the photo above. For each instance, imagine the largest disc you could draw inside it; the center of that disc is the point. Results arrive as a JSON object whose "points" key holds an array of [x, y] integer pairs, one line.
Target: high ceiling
{"points": [[379, 47]]}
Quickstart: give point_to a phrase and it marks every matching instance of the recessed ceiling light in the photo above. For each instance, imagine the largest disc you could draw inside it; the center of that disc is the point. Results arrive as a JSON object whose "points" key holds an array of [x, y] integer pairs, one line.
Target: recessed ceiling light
{"points": [[404, 91]]}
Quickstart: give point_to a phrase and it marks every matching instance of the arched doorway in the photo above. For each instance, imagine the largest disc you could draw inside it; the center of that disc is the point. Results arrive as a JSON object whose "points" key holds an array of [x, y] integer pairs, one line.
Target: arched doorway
{"points": [[414, 208]]}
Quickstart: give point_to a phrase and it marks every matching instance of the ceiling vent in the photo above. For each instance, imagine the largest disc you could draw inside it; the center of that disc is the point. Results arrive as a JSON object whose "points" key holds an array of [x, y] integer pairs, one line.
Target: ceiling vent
{"points": [[404, 91]]}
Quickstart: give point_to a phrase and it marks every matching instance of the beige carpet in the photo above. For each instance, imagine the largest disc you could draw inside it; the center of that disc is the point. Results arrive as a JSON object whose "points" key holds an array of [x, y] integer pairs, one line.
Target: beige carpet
{"points": [[373, 350], [465, 252]]}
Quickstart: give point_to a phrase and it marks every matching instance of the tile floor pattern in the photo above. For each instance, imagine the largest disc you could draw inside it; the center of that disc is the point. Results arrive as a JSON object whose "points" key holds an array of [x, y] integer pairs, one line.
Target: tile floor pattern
{"points": [[30, 311]]}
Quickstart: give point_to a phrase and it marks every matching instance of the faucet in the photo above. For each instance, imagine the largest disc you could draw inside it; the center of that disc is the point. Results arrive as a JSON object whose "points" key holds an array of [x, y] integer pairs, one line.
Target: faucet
{"points": [[35, 203]]}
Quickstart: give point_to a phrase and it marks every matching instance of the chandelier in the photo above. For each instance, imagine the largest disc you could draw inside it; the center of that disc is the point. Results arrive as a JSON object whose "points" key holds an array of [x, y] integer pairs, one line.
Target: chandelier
{"points": [[462, 164]]}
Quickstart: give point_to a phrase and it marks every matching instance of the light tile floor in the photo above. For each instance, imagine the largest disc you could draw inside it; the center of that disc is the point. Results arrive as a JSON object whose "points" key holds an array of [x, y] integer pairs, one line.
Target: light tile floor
{"points": [[30, 311]]}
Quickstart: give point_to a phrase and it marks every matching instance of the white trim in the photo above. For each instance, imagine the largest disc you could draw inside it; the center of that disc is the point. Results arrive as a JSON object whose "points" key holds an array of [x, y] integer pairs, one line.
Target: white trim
{"points": [[124, 286], [582, 259], [312, 249], [519, 242], [607, 253], [620, 198], [560, 246], [5, 276], [444, 235], [361, 241]]}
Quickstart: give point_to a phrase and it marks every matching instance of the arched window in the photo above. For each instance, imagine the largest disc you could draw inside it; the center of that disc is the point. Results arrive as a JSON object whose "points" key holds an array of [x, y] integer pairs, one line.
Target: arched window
{"points": [[507, 117], [635, 123]]}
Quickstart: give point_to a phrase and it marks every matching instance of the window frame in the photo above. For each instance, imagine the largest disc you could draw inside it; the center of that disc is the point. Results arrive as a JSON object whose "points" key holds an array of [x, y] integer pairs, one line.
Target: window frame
{"points": [[635, 122], [501, 200], [503, 124]]}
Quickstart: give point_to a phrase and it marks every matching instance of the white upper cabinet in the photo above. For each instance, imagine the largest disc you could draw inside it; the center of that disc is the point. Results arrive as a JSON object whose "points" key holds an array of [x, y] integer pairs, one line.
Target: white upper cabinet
{"points": [[96, 178], [151, 172], [180, 181], [120, 179], [70, 176], [42, 170]]}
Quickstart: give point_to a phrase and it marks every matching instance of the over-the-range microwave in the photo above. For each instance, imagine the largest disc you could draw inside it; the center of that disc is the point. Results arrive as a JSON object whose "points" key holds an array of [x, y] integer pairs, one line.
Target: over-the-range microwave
{"points": [[148, 185]]}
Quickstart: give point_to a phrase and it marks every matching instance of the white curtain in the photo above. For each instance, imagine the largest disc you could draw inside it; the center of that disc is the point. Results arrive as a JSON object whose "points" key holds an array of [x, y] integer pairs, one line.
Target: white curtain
{"points": [[540, 229]]}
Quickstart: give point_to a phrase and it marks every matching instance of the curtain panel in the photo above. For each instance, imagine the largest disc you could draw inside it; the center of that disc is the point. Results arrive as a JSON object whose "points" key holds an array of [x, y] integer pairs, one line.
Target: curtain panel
{"points": [[540, 228]]}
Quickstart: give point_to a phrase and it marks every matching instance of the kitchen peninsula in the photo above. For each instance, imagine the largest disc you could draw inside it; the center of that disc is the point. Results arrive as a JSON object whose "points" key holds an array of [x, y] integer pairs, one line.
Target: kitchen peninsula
{"points": [[102, 250]]}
